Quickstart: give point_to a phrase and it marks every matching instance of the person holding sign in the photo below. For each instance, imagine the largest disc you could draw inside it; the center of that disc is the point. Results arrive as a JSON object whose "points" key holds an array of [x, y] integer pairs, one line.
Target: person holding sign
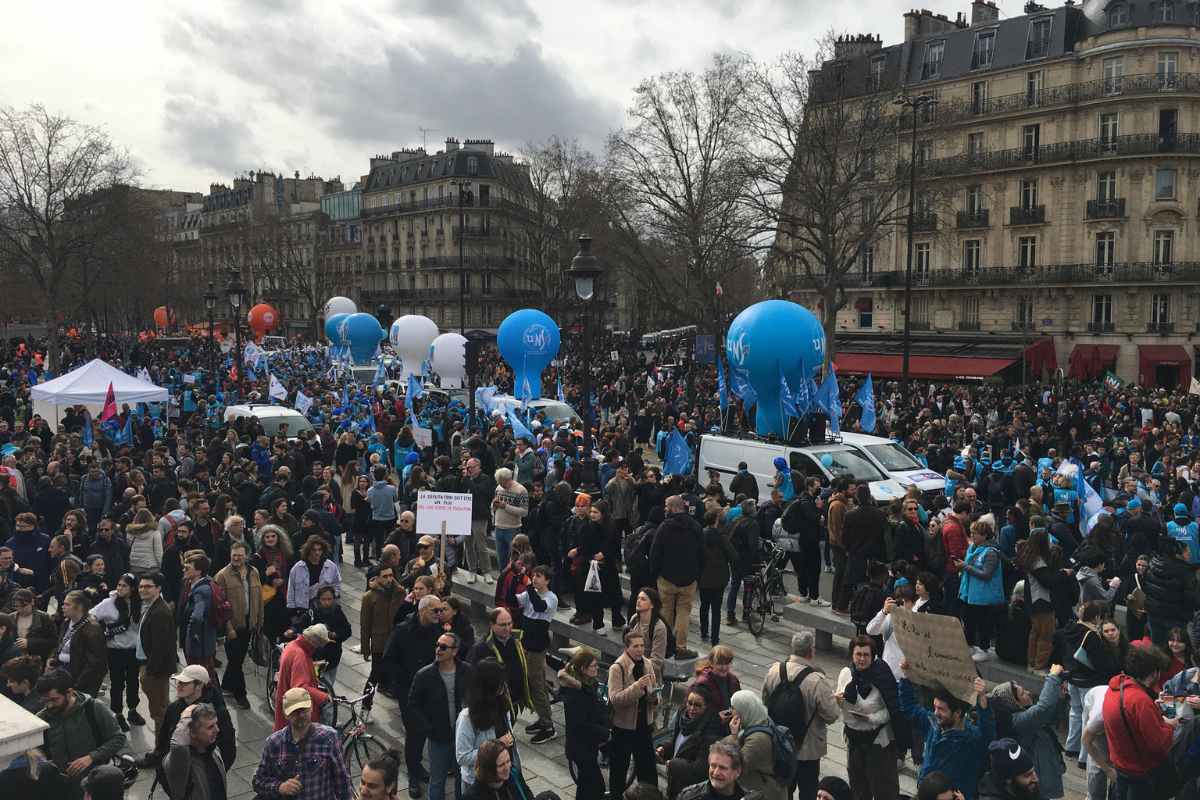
{"points": [[873, 725], [952, 745]]}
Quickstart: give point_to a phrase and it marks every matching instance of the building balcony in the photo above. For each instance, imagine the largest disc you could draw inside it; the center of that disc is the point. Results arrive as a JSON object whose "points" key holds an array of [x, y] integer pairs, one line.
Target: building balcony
{"points": [[1160, 327], [1145, 84], [1033, 215], [924, 221], [1082, 150], [1022, 325], [968, 325], [1113, 208], [404, 208], [978, 218], [1128, 274], [1100, 327]]}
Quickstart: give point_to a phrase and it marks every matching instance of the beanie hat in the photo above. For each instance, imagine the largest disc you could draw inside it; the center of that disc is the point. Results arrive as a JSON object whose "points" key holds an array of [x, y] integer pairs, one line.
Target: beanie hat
{"points": [[780, 463], [1181, 511], [837, 788], [1008, 759]]}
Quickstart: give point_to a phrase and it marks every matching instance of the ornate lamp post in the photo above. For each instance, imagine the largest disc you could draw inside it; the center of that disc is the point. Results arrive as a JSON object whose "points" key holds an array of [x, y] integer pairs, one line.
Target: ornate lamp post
{"points": [[585, 269], [236, 294]]}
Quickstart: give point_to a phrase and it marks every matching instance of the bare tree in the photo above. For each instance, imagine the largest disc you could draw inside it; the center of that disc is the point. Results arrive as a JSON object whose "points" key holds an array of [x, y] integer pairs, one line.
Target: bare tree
{"points": [[50, 169], [282, 256], [824, 184], [675, 183]]}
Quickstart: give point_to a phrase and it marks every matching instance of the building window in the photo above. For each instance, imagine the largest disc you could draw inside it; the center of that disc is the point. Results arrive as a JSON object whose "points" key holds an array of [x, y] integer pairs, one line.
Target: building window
{"points": [[1164, 247], [1106, 249], [472, 166], [970, 311], [932, 66], [1027, 252], [1114, 74], [985, 45], [1164, 183], [1166, 11], [920, 309], [974, 200], [924, 152], [877, 65], [867, 210], [979, 97], [921, 262], [1039, 39], [1118, 15], [1160, 310], [972, 254], [1031, 136], [1033, 87], [868, 263], [1106, 186], [865, 307], [1102, 311], [1029, 194], [1109, 127], [974, 145], [1025, 312], [1168, 70]]}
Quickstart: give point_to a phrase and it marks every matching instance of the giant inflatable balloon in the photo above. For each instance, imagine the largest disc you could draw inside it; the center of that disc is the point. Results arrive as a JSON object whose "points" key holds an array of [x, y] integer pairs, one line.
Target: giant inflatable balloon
{"points": [[528, 340], [262, 319], [339, 305], [163, 315], [448, 356], [769, 339], [362, 333], [411, 336], [331, 327]]}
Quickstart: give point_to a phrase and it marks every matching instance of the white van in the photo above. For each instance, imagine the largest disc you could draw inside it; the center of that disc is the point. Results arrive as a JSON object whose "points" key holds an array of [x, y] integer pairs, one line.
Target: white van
{"points": [[271, 417], [826, 461], [894, 459]]}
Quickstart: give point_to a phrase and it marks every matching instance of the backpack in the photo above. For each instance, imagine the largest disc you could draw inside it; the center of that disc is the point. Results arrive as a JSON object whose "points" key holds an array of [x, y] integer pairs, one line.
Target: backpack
{"points": [[783, 748], [786, 704], [635, 549], [220, 612], [865, 604], [935, 550]]}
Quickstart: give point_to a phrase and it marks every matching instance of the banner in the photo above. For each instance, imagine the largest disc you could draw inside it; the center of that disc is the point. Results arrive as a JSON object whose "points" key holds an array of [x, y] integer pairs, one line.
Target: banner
{"points": [[937, 652], [443, 512]]}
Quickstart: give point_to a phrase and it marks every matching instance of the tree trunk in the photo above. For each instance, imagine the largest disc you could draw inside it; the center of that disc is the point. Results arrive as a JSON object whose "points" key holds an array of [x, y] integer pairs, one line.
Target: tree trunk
{"points": [[829, 323]]}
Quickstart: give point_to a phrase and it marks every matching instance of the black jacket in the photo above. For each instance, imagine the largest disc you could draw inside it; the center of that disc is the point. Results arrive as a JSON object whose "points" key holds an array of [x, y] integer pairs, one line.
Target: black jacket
{"points": [[744, 483], [116, 556], [802, 518], [226, 738], [1170, 587], [586, 717], [428, 712], [410, 647], [681, 536]]}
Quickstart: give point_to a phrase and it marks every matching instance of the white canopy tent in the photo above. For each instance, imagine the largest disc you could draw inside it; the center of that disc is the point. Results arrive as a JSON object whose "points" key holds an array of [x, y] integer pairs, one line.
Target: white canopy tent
{"points": [[88, 386]]}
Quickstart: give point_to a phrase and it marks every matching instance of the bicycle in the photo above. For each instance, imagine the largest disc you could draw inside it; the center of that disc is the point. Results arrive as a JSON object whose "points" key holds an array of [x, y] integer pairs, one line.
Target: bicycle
{"points": [[358, 746], [762, 586]]}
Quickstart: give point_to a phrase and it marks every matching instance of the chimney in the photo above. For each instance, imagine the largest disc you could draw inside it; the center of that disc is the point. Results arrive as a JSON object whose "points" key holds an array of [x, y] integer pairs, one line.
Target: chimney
{"points": [[849, 47], [922, 23], [983, 12], [451, 145]]}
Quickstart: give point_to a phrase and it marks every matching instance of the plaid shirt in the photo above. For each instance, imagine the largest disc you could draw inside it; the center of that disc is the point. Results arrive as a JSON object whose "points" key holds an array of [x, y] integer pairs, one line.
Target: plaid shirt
{"points": [[317, 759]]}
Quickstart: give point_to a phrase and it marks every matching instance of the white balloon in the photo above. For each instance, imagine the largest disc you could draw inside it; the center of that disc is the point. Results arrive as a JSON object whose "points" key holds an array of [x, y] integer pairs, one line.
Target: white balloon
{"points": [[449, 359], [339, 305], [411, 336]]}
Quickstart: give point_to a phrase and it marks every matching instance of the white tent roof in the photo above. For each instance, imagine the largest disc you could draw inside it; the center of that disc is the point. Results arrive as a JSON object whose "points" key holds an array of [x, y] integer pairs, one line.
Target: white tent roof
{"points": [[89, 385]]}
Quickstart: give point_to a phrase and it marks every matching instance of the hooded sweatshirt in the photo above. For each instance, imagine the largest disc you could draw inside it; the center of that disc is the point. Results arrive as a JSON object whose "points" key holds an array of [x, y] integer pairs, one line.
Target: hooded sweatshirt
{"points": [[1138, 740]]}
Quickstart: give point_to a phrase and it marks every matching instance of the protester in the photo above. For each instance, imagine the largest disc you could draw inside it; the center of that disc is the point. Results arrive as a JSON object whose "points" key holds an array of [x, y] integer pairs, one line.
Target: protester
{"points": [[632, 691], [434, 702], [242, 587], [953, 745], [83, 734], [682, 537], [194, 768], [81, 649], [797, 694], [302, 742], [121, 616]]}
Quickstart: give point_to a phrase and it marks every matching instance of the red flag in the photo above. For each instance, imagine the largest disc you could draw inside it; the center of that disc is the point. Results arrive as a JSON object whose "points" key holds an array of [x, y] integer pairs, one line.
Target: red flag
{"points": [[110, 405]]}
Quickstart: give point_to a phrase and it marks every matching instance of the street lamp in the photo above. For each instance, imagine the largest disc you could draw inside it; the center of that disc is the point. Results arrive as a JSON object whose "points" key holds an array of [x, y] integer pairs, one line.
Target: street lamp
{"points": [[465, 198], [916, 104], [585, 269], [235, 292], [210, 303]]}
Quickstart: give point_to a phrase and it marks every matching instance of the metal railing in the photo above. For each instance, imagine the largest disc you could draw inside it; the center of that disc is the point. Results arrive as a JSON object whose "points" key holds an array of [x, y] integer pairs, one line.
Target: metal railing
{"points": [[925, 221], [974, 219], [1032, 215], [1137, 144], [1100, 327], [1041, 275], [1106, 209], [1160, 327], [968, 325]]}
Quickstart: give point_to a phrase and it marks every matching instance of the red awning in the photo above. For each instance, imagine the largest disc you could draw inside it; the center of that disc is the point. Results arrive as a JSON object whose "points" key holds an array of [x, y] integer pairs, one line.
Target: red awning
{"points": [[1154, 355], [890, 365], [1040, 358], [1091, 360]]}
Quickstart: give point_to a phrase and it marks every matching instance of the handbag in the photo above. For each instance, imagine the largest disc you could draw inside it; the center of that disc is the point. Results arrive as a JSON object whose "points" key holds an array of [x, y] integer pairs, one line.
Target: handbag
{"points": [[1081, 655], [592, 582]]}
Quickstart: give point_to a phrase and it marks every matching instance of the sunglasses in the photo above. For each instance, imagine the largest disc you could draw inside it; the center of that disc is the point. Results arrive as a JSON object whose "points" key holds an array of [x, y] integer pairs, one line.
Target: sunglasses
{"points": [[442, 647]]}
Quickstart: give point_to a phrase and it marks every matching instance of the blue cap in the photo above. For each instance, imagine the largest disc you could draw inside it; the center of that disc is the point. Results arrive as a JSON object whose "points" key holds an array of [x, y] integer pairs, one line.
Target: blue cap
{"points": [[412, 458], [1181, 510], [780, 463], [1134, 503]]}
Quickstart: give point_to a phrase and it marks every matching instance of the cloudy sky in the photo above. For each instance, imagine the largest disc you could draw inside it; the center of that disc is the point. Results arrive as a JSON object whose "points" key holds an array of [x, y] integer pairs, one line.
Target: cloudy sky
{"points": [[200, 91]]}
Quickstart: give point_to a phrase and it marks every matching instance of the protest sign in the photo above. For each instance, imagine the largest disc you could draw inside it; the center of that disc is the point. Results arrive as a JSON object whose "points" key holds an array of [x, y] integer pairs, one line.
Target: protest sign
{"points": [[937, 652], [422, 436], [443, 512]]}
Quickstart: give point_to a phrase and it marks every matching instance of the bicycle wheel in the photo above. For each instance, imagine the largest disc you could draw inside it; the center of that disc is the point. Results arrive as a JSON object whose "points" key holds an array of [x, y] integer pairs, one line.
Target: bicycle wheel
{"points": [[760, 604], [359, 750]]}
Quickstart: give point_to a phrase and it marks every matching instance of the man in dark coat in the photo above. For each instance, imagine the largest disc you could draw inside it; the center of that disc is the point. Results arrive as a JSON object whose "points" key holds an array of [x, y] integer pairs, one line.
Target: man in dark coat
{"points": [[157, 646], [681, 536], [432, 712]]}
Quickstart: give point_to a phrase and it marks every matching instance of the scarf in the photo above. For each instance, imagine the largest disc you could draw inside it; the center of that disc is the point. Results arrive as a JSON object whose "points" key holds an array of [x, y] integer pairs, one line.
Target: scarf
{"points": [[860, 685]]}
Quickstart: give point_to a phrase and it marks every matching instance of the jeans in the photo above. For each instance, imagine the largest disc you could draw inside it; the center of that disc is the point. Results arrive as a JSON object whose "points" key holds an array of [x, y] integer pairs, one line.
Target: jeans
{"points": [[977, 625], [234, 680], [1097, 781], [950, 601], [504, 537], [677, 608], [441, 760], [737, 584], [808, 571], [710, 614], [873, 772], [1075, 718], [122, 678], [414, 747]]}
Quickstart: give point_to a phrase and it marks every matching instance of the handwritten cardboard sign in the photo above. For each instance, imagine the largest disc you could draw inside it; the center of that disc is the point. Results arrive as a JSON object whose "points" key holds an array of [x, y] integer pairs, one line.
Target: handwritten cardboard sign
{"points": [[443, 512], [937, 652]]}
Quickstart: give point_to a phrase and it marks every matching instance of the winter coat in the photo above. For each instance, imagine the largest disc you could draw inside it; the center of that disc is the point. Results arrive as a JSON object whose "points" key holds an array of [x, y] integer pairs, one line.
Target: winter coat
{"points": [[185, 772], [1093, 587], [296, 670], [157, 634], [622, 498], [958, 752], [510, 655], [145, 548], [862, 537], [1139, 740], [301, 593], [586, 716], [375, 617], [719, 556], [70, 733], [1105, 660], [42, 635], [719, 689], [681, 536], [802, 519], [226, 735], [411, 647], [31, 551], [1033, 728], [89, 656], [1170, 587], [744, 483], [428, 711], [625, 696], [96, 493], [199, 634], [758, 765], [820, 708]]}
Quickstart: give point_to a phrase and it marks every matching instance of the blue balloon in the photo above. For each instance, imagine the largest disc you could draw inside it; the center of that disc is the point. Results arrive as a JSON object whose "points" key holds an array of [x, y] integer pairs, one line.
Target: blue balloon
{"points": [[528, 340], [826, 459], [768, 339], [362, 333], [331, 327]]}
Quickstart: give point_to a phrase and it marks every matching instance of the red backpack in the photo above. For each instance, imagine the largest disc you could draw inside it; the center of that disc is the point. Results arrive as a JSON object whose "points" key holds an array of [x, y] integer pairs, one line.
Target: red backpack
{"points": [[220, 612]]}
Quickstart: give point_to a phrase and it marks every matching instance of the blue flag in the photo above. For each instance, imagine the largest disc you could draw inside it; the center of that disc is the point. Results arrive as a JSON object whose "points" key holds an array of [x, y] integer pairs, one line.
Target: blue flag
{"points": [[786, 404], [89, 436], [743, 389], [414, 389], [345, 395], [380, 374], [828, 400], [803, 397], [866, 400], [125, 434], [520, 431], [679, 455], [722, 393]]}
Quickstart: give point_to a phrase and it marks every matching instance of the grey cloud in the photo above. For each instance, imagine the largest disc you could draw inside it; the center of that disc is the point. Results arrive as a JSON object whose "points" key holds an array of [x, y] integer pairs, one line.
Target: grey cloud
{"points": [[467, 12], [198, 130]]}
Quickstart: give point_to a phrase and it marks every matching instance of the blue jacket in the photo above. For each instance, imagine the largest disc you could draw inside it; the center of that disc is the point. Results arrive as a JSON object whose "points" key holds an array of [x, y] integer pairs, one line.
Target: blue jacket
{"points": [[982, 581], [1184, 684], [961, 753], [200, 638], [1189, 534], [32, 550]]}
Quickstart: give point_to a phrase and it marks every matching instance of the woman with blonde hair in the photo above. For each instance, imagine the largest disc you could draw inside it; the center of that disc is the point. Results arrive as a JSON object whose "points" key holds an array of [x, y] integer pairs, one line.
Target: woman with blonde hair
{"points": [[145, 543], [715, 673]]}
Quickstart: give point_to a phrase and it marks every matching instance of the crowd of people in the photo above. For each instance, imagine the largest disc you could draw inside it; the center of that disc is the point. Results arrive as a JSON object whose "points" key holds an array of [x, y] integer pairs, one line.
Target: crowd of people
{"points": [[165, 547]]}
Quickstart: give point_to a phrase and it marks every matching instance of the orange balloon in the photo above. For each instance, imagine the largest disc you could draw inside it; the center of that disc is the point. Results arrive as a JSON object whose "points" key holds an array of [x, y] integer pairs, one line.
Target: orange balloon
{"points": [[163, 316], [263, 318]]}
